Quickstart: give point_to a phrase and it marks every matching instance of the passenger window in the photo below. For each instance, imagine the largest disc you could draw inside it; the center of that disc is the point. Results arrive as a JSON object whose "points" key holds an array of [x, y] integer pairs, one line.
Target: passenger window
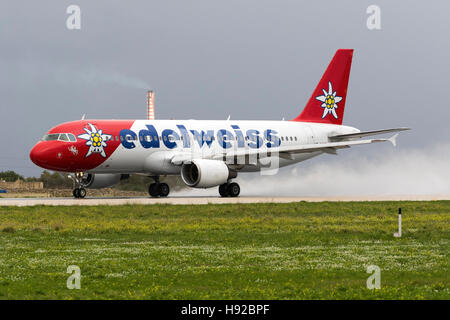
{"points": [[282, 139]]}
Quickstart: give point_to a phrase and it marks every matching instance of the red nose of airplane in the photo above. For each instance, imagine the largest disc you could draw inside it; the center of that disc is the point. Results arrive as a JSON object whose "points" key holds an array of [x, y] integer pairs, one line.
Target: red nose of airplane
{"points": [[52, 155], [39, 155]]}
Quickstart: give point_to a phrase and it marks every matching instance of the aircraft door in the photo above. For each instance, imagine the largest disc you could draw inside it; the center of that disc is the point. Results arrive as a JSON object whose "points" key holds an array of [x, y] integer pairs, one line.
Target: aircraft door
{"points": [[308, 136]]}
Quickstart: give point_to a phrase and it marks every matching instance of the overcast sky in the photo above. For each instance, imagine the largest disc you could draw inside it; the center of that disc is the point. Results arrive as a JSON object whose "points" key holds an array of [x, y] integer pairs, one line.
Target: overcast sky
{"points": [[253, 59]]}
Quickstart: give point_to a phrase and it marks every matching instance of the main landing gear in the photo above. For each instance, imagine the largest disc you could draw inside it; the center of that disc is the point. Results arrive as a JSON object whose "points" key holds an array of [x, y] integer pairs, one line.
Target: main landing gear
{"points": [[158, 189], [229, 189], [78, 192]]}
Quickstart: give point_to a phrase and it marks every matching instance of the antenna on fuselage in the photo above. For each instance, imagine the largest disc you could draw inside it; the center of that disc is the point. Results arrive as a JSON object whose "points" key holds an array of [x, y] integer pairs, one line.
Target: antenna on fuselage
{"points": [[229, 117], [83, 116]]}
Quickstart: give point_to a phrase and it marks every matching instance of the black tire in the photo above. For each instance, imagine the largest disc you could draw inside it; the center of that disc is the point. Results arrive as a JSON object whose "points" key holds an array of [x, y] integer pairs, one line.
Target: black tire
{"points": [[223, 190], [153, 190], [76, 193], [233, 189], [81, 193], [164, 189]]}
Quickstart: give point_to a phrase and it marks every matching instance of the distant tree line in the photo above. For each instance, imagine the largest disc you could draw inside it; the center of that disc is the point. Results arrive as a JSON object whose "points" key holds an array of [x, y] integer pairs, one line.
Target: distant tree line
{"points": [[53, 180], [10, 176]]}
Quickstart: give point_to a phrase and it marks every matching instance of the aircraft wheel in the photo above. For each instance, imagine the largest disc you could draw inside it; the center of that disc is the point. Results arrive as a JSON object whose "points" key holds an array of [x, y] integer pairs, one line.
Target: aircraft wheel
{"points": [[81, 193], [223, 191], [164, 189], [153, 190], [233, 189]]}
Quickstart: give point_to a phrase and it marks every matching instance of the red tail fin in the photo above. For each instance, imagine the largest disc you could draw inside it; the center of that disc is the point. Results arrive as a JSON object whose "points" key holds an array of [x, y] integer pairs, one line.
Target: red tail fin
{"points": [[327, 103]]}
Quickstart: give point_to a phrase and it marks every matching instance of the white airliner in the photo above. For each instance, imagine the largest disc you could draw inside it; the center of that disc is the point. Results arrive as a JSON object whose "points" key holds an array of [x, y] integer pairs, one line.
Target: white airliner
{"points": [[206, 153]]}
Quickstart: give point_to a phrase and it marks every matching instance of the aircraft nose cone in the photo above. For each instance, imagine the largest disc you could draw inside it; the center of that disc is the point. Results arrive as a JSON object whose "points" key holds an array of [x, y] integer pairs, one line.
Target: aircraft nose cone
{"points": [[38, 155]]}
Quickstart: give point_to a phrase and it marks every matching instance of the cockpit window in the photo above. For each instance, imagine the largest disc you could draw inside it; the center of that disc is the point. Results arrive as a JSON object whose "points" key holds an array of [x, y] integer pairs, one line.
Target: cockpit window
{"points": [[63, 137], [51, 137], [59, 137]]}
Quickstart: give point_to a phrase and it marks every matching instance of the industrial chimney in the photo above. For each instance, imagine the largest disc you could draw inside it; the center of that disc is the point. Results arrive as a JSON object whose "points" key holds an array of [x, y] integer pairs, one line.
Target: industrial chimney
{"points": [[150, 105]]}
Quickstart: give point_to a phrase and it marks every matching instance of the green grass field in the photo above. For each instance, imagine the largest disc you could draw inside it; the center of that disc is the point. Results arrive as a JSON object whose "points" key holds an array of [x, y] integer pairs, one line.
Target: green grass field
{"points": [[242, 251]]}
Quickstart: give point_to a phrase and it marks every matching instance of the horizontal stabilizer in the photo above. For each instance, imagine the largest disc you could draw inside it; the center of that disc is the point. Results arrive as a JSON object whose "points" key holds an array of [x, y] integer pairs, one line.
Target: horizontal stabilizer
{"points": [[358, 135]]}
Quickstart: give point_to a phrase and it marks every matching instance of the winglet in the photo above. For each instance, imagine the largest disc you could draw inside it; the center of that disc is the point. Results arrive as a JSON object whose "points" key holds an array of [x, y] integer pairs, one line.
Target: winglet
{"points": [[393, 139]]}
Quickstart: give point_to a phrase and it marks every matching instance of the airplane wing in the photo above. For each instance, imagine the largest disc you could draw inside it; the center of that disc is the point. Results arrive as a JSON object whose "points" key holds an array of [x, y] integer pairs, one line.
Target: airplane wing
{"points": [[284, 151], [358, 135]]}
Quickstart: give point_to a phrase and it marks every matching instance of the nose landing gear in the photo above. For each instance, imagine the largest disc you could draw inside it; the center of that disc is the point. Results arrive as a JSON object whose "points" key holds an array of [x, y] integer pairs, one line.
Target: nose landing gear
{"points": [[229, 190], [158, 189], [78, 192]]}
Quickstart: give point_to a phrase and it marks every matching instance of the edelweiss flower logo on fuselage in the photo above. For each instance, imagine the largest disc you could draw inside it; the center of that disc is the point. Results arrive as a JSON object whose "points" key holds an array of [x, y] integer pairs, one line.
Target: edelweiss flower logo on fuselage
{"points": [[330, 101], [96, 140]]}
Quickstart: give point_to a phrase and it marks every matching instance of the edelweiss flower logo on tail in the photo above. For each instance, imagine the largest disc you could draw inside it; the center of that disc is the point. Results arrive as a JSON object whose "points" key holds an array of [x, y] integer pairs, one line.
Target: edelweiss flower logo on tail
{"points": [[96, 140], [330, 101]]}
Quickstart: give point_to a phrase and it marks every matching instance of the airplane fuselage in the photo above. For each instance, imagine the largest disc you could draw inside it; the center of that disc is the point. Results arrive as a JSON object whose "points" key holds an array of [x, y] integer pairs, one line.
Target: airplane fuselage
{"points": [[146, 146]]}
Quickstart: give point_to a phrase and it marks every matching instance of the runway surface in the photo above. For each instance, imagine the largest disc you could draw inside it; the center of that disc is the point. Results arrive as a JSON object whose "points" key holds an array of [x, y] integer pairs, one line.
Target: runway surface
{"points": [[204, 200]]}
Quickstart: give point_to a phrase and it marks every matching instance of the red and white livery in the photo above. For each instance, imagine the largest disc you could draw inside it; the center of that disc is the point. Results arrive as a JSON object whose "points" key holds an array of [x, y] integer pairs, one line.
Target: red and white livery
{"points": [[207, 153]]}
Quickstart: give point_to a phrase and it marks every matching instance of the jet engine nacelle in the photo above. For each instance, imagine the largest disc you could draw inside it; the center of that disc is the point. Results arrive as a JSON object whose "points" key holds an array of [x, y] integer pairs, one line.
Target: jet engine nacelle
{"points": [[102, 180], [204, 173]]}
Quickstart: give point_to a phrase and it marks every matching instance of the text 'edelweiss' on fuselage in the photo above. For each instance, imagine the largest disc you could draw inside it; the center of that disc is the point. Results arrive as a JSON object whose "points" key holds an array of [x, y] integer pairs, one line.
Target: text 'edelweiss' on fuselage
{"points": [[150, 138]]}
